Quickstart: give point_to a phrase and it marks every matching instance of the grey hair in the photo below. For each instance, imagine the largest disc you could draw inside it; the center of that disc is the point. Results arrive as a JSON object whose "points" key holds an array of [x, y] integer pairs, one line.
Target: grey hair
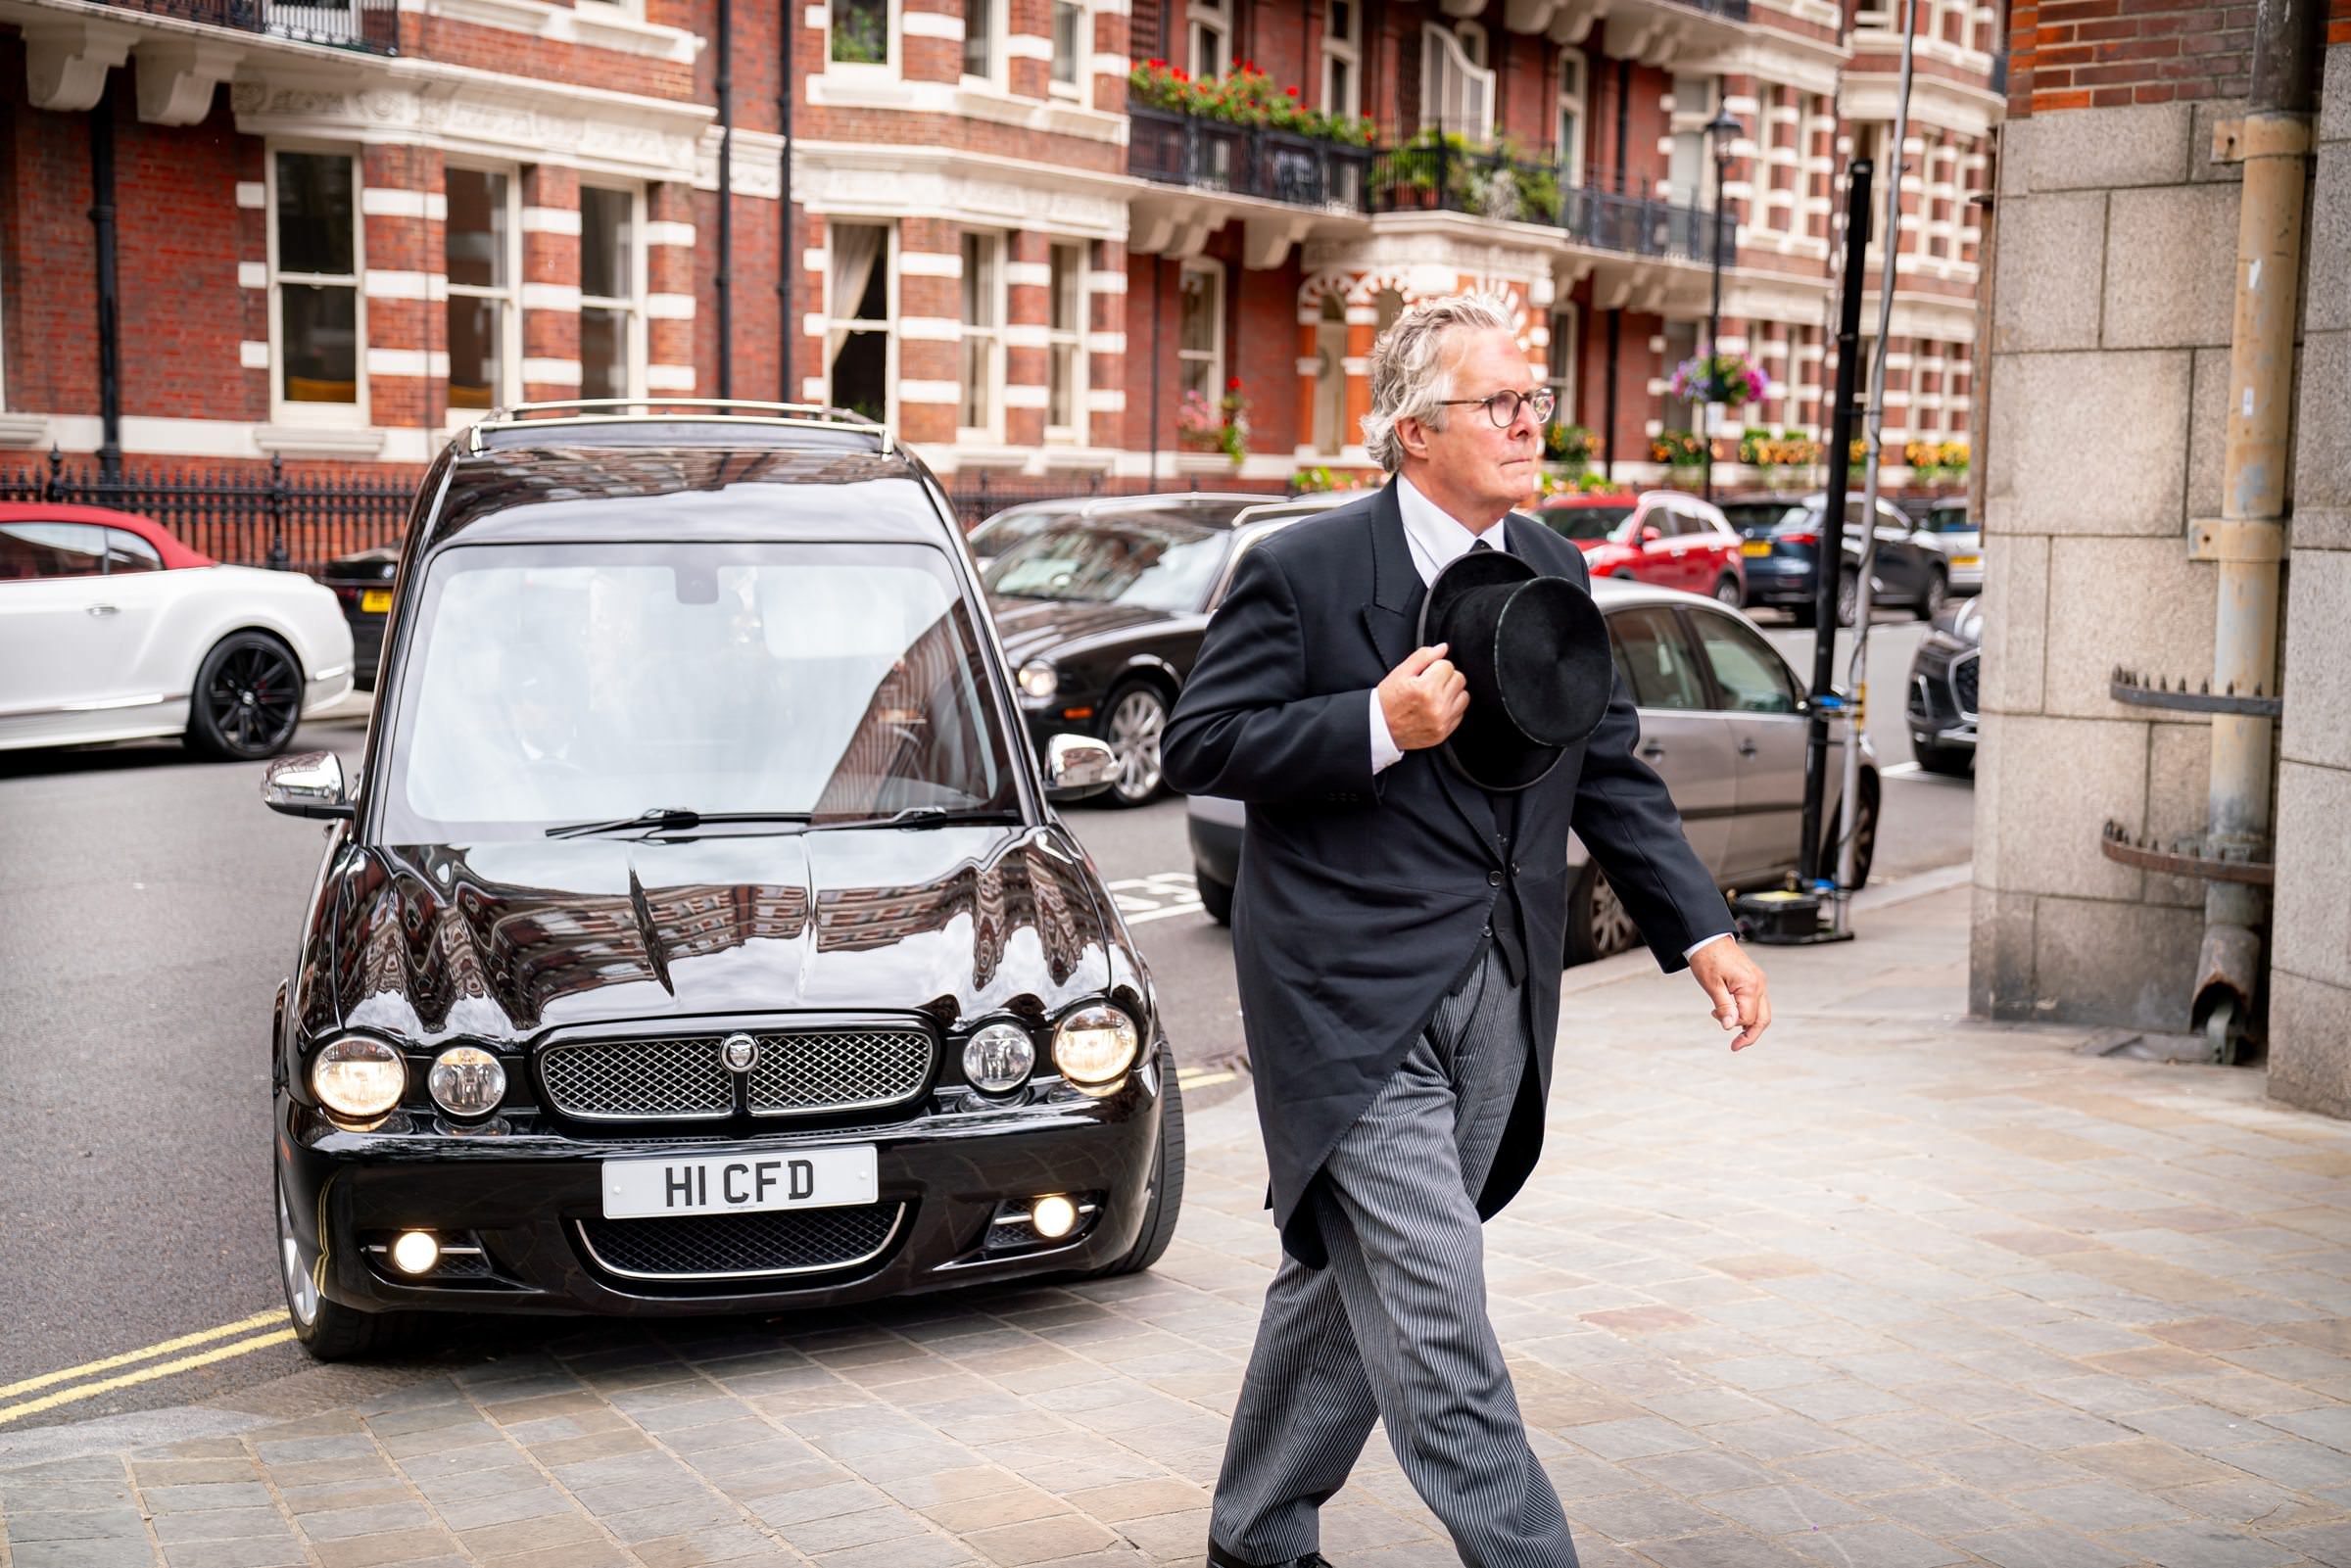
{"points": [[1411, 367]]}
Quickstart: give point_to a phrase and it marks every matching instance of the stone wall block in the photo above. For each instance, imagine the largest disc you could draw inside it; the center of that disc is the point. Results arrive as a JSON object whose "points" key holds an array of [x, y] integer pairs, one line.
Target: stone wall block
{"points": [[2107, 963], [2171, 266], [1999, 968], [2016, 608], [2138, 603], [2311, 919], [2322, 463], [2090, 443], [2015, 160], [2335, 107], [2106, 149], [2327, 241], [2179, 801], [2051, 253], [2067, 777], [2318, 676], [2310, 1065]]}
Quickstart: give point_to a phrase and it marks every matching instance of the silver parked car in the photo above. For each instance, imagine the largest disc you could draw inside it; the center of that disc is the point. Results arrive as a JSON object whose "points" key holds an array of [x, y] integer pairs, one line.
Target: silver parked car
{"points": [[1960, 538], [1723, 719]]}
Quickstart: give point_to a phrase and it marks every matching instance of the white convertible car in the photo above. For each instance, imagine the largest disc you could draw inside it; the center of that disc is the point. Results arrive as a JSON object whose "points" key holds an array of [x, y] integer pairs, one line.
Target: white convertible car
{"points": [[113, 629]]}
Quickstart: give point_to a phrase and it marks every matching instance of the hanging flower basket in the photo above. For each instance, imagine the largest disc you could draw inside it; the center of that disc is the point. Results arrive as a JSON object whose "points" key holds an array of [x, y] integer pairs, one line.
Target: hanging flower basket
{"points": [[1723, 378]]}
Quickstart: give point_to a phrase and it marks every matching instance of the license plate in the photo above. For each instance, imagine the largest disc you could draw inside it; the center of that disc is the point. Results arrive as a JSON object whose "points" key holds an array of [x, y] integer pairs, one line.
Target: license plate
{"points": [[1756, 547], [375, 601], [740, 1183]]}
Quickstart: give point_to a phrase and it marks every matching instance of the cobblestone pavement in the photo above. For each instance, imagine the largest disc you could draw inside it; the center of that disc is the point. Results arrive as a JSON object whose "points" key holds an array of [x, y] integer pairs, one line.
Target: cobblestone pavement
{"points": [[1892, 1290]]}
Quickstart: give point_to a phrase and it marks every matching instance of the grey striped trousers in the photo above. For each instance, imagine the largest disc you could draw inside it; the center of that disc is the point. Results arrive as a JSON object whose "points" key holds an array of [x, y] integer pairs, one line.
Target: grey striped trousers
{"points": [[1395, 1328]]}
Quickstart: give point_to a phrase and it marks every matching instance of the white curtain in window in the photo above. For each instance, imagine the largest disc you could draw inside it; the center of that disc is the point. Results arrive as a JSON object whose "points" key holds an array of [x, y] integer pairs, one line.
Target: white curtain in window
{"points": [[1456, 96], [856, 248]]}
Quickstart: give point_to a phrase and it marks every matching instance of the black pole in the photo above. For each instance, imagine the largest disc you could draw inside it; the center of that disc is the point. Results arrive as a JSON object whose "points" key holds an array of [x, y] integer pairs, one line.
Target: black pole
{"points": [[1830, 549], [1714, 314], [1624, 103], [110, 335], [726, 193], [1159, 280], [785, 261], [1607, 431]]}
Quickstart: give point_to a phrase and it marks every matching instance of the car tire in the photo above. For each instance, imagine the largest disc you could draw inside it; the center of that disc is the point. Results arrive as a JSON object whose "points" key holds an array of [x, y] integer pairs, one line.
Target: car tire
{"points": [[1848, 597], [1597, 922], [1865, 837], [1802, 614], [1167, 1181], [1216, 897], [247, 699], [1952, 762], [1728, 592], [1936, 594], [1134, 718], [327, 1330]]}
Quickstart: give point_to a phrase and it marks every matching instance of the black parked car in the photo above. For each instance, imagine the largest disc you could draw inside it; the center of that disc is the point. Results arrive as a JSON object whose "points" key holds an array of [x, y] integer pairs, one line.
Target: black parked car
{"points": [[699, 936], [1007, 528], [1102, 615], [1782, 551], [1941, 706], [362, 586]]}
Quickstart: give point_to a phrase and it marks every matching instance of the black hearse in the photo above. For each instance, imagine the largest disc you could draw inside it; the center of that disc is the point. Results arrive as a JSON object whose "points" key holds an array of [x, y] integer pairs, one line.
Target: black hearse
{"points": [[698, 935]]}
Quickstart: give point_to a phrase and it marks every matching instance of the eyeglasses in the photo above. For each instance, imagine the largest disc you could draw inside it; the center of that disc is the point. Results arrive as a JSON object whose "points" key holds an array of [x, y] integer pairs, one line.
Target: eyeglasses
{"points": [[1503, 406]]}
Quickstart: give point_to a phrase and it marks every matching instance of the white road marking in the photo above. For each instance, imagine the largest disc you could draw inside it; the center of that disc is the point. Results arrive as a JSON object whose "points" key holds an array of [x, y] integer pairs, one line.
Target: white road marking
{"points": [[1900, 770], [1162, 895]]}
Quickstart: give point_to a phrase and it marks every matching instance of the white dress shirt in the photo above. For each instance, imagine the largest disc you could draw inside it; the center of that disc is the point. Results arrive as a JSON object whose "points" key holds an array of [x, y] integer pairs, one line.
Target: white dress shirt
{"points": [[1437, 539]]}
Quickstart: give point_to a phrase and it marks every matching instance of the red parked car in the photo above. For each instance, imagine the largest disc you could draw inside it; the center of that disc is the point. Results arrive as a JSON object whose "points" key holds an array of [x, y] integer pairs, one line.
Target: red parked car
{"points": [[1659, 537]]}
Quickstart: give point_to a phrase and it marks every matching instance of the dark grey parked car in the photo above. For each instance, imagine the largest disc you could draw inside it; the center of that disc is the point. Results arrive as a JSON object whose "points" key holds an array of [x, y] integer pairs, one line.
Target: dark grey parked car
{"points": [[1783, 555], [1723, 720], [1941, 706]]}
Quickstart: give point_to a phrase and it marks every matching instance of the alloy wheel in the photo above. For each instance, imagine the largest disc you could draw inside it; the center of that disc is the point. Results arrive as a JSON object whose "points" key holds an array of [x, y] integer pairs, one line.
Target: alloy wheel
{"points": [[1726, 591], [1613, 929], [254, 700], [1135, 725], [302, 1291]]}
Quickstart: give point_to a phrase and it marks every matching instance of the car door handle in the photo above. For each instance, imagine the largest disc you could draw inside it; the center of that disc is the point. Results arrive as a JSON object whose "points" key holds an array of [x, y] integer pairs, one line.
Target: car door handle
{"points": [[103, 609], [1653, 751], [1747, 748]]}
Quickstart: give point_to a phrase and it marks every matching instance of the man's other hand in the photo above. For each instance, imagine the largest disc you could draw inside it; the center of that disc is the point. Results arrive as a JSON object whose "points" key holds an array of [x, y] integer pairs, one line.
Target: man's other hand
{"points": [[1423, 699], [1735, 984]]}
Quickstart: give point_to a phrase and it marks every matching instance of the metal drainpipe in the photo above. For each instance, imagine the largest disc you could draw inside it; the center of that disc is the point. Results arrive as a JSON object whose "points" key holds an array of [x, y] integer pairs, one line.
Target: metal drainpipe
{"points": [[724, 282], [110, 294], [2248, 543], [787, 264]]}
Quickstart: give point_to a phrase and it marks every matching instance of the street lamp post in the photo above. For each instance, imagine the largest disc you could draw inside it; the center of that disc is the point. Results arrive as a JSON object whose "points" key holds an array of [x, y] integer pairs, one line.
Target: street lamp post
{"points": [[1721, 131]]}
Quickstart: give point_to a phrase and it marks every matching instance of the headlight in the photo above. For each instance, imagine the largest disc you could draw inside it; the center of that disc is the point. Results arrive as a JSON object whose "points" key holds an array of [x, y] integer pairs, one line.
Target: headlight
{"points": [[1039, 680], [1095, 1044], [466, 1081], [998, 1058], [359, 1077]]}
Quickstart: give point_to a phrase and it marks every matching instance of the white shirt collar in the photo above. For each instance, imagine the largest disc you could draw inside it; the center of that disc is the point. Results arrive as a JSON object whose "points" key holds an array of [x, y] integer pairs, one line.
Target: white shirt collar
{"points": [[1437, 539]]}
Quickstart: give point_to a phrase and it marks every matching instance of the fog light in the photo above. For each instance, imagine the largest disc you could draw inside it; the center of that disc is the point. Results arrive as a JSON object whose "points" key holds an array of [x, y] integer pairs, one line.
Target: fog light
{"points": [[998, 1058], [466, 1081], [415, 1253], [1053, 1217]]}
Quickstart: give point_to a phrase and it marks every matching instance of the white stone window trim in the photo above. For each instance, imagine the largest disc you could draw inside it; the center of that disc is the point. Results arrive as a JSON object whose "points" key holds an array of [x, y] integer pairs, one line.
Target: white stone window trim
{"points": [[993, 79], [993, 249], [1207, 19], [510, 332], [1082, 49], [321, 416], [1213, 356], [632, 303], [1566, 332], [894, 45], [887, 326], [1078, 305], [1569, 119], [1345, 49]]}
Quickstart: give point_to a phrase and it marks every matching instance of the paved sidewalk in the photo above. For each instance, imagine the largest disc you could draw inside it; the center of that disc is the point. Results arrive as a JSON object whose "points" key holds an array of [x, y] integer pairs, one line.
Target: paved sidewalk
{"points": [[1892, 1290]]}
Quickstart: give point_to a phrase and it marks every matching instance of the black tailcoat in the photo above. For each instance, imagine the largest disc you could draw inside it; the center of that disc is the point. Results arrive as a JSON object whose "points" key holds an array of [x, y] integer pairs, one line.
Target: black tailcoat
{"points": [[1362, 897]]}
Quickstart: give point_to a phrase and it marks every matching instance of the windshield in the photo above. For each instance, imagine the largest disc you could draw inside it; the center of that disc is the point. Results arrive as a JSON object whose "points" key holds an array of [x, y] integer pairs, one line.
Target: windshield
{"points": [[1751, 517], [559, 684], [1586, 524], [1008, 528], [1155, 564]]}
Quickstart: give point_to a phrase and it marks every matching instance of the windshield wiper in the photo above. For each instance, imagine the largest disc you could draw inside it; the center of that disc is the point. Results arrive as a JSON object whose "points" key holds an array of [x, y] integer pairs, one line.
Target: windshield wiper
{"points": [[928, 817], [670, 818]]}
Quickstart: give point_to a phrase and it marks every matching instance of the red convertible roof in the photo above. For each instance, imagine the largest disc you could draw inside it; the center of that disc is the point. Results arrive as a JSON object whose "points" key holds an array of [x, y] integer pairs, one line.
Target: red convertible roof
{"points": [[175, 554]]}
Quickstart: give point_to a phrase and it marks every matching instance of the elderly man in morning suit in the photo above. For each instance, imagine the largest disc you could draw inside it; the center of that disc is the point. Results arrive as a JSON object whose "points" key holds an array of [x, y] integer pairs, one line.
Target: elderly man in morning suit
{"points": [[1398, 932]]}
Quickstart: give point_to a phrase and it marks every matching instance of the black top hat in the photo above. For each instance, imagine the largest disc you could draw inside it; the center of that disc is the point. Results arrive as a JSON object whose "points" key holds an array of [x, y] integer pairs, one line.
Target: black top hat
{"points": [[1534, 651]]}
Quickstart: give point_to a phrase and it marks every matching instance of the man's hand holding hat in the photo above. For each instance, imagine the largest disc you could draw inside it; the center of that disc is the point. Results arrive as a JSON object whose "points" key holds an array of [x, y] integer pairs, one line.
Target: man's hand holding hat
{"points": [[1423, 699]]}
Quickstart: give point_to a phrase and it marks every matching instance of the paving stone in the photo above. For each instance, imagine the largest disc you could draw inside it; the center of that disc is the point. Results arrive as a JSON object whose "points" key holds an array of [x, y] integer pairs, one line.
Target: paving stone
{"points": [[1875, 1545], [2040, 1546], [109, 1553], [109, 1524], [1948, 1512], [283, 1552], [338, 1524], [1040, 1540], [2095, 1505], [2203, 1546], [1779, 1511], [220, 1523], [1642, 1516], [1719, 1549]]}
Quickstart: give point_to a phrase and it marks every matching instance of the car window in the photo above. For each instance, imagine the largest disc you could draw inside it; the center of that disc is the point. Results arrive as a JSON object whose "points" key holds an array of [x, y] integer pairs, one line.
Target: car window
{"points": [[1753, 678], [126, 552], [1158, 564], [1656, 661], [1006, 529], [557, 683], [1588, 524], [51, 550], [1243, 544], [1949, 520], [1759, 516]]}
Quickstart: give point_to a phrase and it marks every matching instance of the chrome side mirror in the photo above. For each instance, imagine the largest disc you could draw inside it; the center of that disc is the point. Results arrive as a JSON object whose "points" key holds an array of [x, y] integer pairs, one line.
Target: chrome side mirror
{"points": [[307, 784], [1077, 766]]}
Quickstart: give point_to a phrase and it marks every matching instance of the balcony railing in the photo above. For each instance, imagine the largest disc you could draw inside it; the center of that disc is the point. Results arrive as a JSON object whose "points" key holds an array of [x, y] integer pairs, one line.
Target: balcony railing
{"points": [[1274, 165], [1442, 175], [372, 25], [1728, 10]]}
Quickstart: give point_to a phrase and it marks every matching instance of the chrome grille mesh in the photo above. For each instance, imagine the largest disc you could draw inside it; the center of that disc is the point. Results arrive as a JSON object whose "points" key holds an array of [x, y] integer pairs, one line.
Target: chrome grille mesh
{"points": [[796, 1241], [684, 1079], [1963, 682], [838, 1070], [638, 1079]]}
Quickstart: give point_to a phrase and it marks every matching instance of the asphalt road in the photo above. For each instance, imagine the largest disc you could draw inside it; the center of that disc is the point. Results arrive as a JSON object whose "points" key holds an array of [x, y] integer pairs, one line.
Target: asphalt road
{"points": [[148, 907]]}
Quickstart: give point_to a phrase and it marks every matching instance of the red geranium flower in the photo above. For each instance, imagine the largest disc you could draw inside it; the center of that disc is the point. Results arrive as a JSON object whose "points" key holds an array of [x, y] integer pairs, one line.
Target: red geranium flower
{"points": [[1234, 385], [1289, 92]]}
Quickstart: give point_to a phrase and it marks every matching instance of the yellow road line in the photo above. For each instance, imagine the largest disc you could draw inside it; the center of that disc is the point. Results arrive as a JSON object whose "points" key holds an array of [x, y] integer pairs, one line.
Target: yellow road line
{"points": [[1201, 1080], [244, 1325], [145, 1374]]}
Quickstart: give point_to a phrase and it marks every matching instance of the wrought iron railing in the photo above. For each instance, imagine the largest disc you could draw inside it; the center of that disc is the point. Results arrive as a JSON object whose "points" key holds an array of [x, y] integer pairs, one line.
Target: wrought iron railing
{"points": [[1431, 174], [246, 518], [372, 25], [1277, 166]]}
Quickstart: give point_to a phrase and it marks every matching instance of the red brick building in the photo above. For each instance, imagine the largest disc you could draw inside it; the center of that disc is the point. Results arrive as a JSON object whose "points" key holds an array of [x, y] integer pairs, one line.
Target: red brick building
{"points": [[344, 227]]}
